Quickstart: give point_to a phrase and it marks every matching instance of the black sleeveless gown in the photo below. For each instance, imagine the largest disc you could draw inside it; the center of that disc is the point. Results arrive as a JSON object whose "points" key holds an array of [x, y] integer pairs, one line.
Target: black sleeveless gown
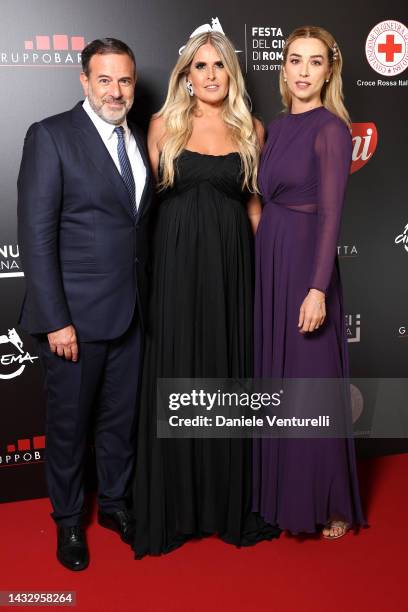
{"points": [[201, 322]]}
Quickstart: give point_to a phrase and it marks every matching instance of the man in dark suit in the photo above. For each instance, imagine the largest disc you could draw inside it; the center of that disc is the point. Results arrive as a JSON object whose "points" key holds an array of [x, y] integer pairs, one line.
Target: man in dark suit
{"points": [[84, 193]]}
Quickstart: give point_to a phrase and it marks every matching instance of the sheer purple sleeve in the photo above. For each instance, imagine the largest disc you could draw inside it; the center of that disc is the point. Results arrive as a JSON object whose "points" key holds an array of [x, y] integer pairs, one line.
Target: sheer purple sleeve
{"points": [[333, 150]]}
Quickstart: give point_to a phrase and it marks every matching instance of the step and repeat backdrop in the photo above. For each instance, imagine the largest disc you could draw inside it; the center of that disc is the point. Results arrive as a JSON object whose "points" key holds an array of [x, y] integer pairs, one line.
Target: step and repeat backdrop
{"points": [[40, 54]]}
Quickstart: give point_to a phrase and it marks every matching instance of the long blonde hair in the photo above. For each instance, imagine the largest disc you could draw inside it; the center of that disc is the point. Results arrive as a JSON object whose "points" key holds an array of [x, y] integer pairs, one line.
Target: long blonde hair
{"points": [[179, 107], [332, 92]]}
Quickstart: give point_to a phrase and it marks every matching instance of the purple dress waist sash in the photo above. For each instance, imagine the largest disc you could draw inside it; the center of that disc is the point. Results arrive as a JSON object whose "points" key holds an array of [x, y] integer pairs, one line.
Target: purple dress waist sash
{"points": [[305, 208]]}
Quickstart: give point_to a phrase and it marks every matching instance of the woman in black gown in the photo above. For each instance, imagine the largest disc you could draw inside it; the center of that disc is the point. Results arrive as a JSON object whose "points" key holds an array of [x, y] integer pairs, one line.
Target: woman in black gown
{"points": [[204, 147]]}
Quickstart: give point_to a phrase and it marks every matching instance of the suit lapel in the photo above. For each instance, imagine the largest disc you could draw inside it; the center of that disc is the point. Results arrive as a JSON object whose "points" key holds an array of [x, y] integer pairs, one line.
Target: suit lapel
{"points": [[96, 150]]}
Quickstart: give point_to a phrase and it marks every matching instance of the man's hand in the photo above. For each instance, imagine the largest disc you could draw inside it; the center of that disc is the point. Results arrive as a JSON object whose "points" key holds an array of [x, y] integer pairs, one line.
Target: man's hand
{"points": [[63, 342]]}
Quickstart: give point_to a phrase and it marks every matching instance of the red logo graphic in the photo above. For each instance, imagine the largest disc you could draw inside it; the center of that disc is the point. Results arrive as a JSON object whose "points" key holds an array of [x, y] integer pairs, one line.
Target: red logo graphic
{"points": [[60, 42], [365, 140], [387, 47], [25, 444], [45, 50], [25, 452]]}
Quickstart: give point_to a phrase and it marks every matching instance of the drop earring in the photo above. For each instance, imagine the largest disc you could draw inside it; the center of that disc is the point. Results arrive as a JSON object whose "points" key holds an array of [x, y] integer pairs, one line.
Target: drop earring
{"points": [[189, 87]]}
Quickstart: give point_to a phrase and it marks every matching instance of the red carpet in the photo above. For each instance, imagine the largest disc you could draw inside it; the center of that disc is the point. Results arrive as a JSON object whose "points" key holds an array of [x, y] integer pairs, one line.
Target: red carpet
{"points": [[367, 571]]}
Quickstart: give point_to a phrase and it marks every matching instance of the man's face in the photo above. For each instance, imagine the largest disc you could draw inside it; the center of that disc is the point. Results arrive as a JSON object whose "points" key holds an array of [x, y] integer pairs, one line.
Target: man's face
{"points": [[110, 86]]}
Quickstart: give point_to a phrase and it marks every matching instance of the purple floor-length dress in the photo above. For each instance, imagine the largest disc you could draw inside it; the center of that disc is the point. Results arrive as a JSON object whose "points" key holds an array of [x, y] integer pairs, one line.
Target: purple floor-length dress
{"points": [[301, 484]]}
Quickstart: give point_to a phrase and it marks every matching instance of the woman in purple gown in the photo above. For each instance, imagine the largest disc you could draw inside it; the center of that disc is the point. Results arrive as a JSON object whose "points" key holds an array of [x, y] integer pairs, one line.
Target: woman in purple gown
{"points": [[304, 485]]}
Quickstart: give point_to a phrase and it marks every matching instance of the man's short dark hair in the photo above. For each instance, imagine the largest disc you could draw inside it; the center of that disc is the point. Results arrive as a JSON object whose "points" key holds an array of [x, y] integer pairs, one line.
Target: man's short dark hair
{"points": [[103, 46]]}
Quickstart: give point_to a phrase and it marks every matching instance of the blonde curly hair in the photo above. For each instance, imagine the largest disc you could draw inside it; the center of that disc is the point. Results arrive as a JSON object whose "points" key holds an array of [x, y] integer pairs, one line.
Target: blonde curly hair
{"points": [[179, 107]]}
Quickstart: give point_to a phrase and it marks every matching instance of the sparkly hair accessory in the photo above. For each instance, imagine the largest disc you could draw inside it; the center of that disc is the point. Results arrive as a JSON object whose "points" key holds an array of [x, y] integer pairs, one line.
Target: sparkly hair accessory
{"points": [[335, 52]]}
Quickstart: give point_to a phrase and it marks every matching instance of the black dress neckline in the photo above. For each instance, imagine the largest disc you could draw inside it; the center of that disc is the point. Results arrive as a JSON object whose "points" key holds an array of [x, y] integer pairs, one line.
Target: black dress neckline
{"points": [[209, 154]]}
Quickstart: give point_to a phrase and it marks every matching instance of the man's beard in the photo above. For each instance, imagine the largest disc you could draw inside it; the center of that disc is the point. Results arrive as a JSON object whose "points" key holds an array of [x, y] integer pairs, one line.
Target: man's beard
{"points": [[102, 112]]}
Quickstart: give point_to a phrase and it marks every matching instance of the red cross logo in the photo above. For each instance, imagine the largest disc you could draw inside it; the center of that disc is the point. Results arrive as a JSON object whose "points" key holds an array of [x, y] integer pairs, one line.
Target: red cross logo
{"points": [[389, 48]]}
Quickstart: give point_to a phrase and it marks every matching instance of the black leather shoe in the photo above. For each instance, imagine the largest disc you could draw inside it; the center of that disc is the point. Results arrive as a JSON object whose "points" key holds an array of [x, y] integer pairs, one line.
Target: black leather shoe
{"points": [[119, 521], [72, 550]]}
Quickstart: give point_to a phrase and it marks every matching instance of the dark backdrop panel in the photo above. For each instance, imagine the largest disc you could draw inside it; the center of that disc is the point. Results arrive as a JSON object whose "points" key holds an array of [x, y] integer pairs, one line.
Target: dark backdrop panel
{"points": [[40, 82]]}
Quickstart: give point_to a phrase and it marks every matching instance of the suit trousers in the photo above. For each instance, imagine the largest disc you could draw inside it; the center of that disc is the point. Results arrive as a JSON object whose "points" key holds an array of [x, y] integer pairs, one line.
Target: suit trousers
{"points": [[100, 388]]}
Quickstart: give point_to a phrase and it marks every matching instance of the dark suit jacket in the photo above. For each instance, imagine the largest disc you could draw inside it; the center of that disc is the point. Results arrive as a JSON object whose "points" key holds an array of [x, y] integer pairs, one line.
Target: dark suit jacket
{"points": [[84, 253]]}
